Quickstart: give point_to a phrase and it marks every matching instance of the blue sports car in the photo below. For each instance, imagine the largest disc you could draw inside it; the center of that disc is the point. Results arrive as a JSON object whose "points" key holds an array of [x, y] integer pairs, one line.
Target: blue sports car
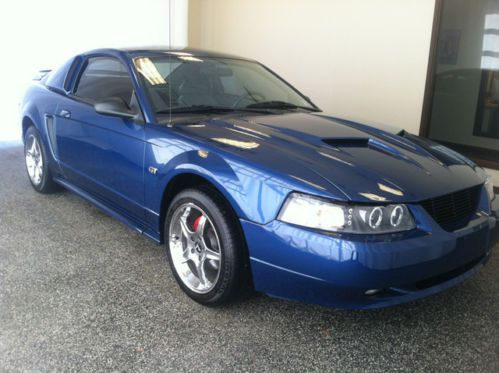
{"points": [[249, 185]]}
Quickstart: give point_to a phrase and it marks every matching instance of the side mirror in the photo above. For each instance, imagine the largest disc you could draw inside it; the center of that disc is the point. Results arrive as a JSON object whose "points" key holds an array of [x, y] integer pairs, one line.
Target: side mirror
{"points": [[114, 106]]}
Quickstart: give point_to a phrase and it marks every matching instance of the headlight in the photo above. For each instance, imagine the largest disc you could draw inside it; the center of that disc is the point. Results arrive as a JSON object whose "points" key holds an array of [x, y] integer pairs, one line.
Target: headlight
{"points": [[311, 212], [490, 188]]}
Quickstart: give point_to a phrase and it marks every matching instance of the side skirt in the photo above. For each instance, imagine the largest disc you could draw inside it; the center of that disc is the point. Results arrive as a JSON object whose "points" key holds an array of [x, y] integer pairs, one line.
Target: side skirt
{"points": [[109, 211]]}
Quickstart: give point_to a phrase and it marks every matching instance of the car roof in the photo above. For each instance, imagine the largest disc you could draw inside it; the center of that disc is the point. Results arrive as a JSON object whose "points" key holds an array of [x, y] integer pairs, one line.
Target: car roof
{"points": [[164, 50]]}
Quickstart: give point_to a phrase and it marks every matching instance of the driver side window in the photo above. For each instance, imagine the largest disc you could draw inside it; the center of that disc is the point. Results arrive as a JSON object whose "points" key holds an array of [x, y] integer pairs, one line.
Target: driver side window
{"points": [[105, 77]]}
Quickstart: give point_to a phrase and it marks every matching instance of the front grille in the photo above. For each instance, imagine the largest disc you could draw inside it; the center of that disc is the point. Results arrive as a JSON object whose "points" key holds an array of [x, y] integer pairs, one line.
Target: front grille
{"points": [[454, 211]]}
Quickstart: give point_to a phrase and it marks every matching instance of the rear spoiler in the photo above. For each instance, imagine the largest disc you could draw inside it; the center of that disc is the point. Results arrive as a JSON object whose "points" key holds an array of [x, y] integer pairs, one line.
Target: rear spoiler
{"points": [[41, 74]]}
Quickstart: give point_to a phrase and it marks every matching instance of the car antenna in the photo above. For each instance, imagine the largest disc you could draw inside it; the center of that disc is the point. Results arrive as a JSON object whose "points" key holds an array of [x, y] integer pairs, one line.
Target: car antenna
{"points": [[169, 63]]}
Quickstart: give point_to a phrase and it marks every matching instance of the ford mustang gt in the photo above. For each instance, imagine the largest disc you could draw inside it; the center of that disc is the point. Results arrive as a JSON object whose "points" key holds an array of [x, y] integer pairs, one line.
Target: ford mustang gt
{"points": [[249, 184]]}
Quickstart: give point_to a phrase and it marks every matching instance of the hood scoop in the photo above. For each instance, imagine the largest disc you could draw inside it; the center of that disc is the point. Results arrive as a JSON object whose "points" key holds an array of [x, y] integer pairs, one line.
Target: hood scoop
{"points": [[348, 142], [371, 143], [364, 142]]}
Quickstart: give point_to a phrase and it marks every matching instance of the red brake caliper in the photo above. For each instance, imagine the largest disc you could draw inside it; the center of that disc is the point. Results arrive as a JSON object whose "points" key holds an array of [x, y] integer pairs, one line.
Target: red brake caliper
{"points": [[196, 223]]}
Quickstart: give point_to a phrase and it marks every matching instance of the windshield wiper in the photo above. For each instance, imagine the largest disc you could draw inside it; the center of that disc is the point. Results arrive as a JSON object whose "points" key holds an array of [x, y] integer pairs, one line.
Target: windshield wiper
{"points": [[205, 109], [278, 105]]}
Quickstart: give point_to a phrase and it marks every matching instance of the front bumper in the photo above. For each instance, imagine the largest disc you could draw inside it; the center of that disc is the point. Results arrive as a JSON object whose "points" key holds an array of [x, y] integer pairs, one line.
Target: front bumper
{"points": [[296, 263]]}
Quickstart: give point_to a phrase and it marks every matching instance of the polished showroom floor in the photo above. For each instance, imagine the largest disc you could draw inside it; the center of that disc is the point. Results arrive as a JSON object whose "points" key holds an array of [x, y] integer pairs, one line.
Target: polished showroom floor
{"points": [[80, 291]]}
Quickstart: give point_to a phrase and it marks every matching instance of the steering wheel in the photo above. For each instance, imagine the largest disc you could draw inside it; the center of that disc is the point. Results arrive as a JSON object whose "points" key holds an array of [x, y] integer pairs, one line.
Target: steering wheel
{"points": [[253, 96]]}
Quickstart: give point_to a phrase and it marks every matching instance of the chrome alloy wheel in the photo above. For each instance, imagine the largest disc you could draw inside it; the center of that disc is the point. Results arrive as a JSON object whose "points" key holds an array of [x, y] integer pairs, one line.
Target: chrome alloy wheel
{"points": [[34, 160], [195, 248]]}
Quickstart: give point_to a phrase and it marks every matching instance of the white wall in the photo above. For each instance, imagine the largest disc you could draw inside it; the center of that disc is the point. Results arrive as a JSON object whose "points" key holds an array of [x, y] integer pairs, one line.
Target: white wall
{"points": [[41, 34], [495, 176], [359, 59]]}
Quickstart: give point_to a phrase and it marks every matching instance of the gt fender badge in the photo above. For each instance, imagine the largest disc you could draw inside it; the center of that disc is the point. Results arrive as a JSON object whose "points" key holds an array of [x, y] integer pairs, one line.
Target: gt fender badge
{"points": [[153, 170]]}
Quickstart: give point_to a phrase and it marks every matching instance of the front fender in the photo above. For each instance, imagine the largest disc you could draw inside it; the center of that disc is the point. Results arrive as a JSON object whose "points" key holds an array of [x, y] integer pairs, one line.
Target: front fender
{"points": [[253, 195]]}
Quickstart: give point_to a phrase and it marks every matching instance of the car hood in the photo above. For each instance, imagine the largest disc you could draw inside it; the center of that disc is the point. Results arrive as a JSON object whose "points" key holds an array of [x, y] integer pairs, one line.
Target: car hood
{"points": [[365, 163]]}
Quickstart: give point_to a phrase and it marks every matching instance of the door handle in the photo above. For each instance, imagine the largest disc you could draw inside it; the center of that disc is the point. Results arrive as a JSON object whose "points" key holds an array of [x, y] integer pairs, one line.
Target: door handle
{"points": [[65, 113]]}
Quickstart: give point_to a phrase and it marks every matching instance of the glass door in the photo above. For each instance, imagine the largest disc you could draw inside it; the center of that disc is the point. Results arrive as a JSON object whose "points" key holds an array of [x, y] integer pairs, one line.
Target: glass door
{"points": [[465, 99]]}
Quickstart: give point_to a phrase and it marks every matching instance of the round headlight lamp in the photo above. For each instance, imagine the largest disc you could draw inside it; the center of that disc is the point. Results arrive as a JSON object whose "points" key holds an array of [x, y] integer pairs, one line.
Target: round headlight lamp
{"points": [[375, 217], [396, 216]]}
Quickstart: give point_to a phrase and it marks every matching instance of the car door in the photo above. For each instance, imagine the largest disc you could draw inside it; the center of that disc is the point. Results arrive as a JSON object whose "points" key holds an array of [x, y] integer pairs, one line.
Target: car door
{"points": [[102, 154]]}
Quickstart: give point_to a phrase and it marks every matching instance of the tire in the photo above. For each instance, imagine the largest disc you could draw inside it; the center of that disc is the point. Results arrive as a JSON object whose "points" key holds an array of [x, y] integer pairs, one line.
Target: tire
{"points": [[37, 162], [206, 281]]}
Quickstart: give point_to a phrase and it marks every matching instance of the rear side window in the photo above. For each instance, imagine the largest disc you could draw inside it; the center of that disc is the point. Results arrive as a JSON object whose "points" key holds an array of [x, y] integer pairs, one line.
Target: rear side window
{"points": [[104, 77]]}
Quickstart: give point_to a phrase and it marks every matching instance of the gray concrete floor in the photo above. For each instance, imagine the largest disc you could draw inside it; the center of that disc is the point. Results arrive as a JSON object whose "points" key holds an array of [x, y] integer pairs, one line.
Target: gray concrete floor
{"points": [[80, 291]]}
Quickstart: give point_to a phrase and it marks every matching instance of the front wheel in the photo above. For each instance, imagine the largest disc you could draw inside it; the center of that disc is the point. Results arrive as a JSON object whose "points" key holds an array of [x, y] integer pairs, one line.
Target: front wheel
{"points": [[204, 248]]}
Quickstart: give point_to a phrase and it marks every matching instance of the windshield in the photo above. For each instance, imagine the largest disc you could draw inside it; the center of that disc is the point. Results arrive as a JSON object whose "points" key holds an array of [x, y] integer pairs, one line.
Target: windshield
{"points": [[180, 83]]}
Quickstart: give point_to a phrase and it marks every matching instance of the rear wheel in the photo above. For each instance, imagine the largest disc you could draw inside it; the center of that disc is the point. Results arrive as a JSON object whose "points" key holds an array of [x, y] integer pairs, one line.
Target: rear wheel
{"points": [[204, 248], [37, 162]]}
